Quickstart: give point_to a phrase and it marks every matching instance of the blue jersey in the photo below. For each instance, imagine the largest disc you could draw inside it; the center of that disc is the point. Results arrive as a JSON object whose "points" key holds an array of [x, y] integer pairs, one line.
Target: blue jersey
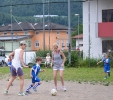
{"points": [[106, 61], [10, 63], [35, 70]]}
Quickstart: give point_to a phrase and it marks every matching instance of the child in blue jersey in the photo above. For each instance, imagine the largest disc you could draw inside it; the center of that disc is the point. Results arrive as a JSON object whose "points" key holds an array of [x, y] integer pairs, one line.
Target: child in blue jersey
{"points": [[106, 62], [34, 75]]}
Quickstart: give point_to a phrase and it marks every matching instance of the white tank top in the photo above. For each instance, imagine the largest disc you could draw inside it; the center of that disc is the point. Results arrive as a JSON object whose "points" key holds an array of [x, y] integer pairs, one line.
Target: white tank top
{"points": [[16, 60]]}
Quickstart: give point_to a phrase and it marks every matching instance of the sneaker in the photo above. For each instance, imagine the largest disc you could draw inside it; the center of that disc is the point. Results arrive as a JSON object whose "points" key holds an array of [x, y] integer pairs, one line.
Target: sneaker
{"points": [[21, 94], [28, 92], [105, 78], [55, 88], [6, 92], [35, 89], [64, 89]]}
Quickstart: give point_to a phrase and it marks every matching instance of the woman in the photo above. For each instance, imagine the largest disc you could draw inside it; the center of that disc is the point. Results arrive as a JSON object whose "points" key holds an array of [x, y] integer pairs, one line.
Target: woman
{"points": [[58, 62], [17, 68]]}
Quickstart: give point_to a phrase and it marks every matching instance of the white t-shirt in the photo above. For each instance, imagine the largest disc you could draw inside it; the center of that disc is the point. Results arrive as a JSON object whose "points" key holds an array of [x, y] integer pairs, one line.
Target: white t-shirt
{"points": [[48, 58], [16, 60]]}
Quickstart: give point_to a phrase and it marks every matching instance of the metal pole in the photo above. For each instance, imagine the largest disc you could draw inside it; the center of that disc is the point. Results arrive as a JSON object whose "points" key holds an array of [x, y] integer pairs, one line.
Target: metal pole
{"points": [[43, 27], [78, 31], [49, 25], [69, 33], [89, 29], [11, 26]]}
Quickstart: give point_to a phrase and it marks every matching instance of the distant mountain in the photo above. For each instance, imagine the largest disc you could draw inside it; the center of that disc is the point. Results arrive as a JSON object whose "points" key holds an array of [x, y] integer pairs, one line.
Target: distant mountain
{"points": [[26, 12]]}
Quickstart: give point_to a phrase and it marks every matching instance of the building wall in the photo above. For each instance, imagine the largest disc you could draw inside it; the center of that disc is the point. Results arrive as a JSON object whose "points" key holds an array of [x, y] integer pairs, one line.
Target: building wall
{"points": [[80, 42], [53, 39], [38, 37], [95, 18]]}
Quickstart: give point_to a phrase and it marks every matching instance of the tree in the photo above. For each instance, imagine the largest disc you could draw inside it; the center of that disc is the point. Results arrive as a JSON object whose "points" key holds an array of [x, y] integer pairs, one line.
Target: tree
{"points": [[76, 33]]}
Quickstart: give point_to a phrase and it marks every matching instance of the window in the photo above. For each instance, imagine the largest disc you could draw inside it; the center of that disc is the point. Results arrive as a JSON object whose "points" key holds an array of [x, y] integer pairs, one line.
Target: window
{"points": [[37, 44], [67, 44], [58, 32], [66, 32], [62, 43], [26, 33], [106, 45], [12, 33], [107, 15], [5, 34], [58, 42], [80, 45], [37, 32], [29, 43]]}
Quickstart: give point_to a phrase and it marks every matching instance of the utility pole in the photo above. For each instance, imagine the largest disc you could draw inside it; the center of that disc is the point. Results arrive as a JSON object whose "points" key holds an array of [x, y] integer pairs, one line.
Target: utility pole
{"points": [[89, 30], [11, 26], [43, 25], [69, 33]]}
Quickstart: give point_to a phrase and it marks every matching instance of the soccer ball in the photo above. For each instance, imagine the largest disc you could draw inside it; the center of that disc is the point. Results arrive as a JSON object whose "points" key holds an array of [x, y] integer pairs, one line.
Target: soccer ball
{"points": [[53, 92]]}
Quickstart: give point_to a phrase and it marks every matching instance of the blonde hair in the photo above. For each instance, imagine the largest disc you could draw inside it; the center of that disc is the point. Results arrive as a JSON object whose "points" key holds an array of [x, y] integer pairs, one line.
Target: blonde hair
{"points": [[55, 45]]}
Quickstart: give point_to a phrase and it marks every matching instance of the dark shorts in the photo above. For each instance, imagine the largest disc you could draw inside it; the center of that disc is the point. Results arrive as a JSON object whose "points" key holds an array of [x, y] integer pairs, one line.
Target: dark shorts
{"points": [[35, 79], [19, 72]]}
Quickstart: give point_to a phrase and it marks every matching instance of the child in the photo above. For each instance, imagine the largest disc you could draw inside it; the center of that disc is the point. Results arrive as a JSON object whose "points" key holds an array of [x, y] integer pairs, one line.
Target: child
{"points": [[9, 64], [33, 73], [16, 68], [106, 62], [48, 61]]}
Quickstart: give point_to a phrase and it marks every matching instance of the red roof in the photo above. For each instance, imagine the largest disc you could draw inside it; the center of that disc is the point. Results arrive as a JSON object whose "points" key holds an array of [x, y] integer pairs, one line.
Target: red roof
{"points": [[78, 36]]}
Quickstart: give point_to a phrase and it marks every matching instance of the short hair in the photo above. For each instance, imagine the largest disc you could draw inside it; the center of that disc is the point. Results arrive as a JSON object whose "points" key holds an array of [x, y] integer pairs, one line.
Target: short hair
{"points": [[23, 42], [55, 45], [38, 59]]}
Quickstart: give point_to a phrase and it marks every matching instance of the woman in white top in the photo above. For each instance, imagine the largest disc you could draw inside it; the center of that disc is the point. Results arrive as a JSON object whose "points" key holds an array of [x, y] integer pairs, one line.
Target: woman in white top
{"points": [[17, 68]]}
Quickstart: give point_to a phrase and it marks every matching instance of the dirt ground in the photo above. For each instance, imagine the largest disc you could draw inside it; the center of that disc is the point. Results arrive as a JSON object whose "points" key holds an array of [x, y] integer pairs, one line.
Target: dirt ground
{"points": [[75, 91]]}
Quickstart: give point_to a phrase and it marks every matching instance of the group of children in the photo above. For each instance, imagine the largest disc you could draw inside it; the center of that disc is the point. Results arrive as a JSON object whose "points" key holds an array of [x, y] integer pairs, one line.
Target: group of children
{"points": [[16, 63]]}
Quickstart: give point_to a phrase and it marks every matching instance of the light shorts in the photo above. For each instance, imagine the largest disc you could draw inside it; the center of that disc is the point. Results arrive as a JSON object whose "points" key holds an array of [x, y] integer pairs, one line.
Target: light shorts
{"points": [[58, 68], [19, 72]]}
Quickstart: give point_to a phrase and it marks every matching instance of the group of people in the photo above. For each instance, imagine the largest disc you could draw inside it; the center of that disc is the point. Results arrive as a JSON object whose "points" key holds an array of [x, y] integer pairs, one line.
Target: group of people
{"points": [[16, 64]]}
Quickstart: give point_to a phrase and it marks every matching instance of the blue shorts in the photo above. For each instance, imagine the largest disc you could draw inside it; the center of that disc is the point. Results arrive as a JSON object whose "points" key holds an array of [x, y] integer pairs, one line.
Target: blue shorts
{"points": [[35, 79], [106, 69]]}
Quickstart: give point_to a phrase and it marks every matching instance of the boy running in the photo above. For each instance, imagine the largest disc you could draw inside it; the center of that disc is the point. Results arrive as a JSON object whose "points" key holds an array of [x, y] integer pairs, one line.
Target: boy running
{"points": [[34, 75]]}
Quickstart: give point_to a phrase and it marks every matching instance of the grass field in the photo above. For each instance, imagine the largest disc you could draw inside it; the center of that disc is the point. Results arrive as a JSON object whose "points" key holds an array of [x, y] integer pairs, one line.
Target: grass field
{"points": [[92, 75]]}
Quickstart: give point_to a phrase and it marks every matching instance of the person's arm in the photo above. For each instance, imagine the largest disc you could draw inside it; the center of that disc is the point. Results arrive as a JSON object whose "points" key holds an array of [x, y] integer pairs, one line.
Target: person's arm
{"points": [[64, 57], [31, 73], [52, 59], [11, 54], [99, 62], [21, 58]]}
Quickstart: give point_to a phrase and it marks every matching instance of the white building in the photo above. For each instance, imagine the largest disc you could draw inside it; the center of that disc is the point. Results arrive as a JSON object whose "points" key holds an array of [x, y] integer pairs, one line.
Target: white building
{"points": [[79, 42], [101, 27]]}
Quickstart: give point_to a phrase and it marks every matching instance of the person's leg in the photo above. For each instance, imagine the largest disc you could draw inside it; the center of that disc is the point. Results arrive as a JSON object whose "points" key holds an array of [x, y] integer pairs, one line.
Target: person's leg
{"points": [[10, 82], [21, 83], [38, 82], [61, 77], [28, 89], [54, 76]]}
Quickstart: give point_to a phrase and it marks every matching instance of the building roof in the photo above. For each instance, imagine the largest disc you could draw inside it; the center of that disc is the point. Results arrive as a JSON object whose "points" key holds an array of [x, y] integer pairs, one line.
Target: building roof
{"points": [[17, 27], [51, 26], [80, 36], [32, 26], [13, 38]]}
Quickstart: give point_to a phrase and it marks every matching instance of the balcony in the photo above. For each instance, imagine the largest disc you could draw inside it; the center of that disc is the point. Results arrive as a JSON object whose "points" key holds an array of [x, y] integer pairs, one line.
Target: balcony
{"points": [[105, 29]]}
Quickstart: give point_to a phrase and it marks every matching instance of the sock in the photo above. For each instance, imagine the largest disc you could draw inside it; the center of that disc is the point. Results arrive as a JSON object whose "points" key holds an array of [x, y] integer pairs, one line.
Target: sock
{"points": [[36, 85], [109, 74], [29, 87]]}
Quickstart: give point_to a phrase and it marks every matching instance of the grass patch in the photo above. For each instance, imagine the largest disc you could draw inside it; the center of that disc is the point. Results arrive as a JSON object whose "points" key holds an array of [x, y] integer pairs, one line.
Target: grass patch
{"points": [[92, 75]]}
